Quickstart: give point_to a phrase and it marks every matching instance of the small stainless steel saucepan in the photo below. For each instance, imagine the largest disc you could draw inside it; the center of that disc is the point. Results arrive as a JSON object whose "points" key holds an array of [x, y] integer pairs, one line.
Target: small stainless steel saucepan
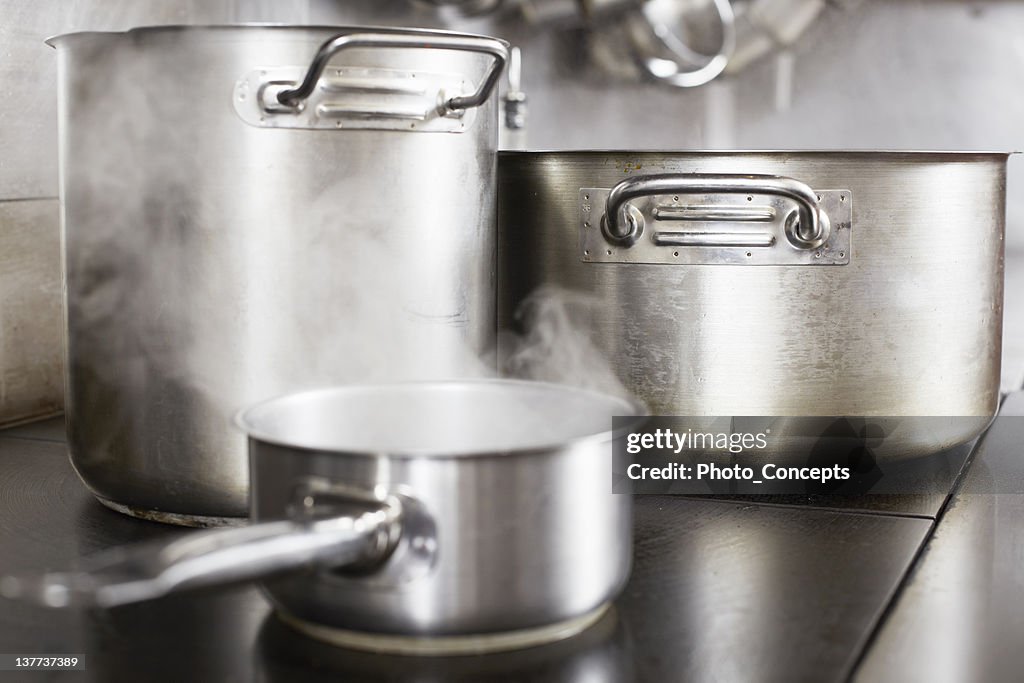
{"points": [[473, 514]]}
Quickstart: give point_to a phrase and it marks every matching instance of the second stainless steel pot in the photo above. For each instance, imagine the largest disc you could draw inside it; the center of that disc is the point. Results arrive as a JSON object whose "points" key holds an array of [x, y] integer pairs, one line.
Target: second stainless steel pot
{"points": [[480, 512], [250, 210], [775, 283]]}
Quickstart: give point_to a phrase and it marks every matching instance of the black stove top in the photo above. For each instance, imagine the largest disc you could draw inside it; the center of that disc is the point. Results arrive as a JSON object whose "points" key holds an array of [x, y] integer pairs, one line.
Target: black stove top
{"points": [[781, 588]]}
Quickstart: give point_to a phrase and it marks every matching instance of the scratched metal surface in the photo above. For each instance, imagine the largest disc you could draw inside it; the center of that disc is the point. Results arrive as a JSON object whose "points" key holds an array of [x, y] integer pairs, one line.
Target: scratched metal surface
{"points": [[910, 327]]}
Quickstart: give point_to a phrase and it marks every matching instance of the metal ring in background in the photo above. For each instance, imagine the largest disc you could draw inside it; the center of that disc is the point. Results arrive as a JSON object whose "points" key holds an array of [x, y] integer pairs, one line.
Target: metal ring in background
{"points": [[658, 37]]}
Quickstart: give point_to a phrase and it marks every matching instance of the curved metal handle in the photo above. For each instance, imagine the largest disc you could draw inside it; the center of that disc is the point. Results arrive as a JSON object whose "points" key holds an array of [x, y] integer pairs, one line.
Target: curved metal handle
{"points": [[668, 71], [294, 97], [220, 557], [808, 228]]}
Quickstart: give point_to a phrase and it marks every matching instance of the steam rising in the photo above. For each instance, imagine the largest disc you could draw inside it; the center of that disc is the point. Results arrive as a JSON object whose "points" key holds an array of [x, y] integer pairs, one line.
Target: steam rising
{"points": [[193, 292], [556, 345]]}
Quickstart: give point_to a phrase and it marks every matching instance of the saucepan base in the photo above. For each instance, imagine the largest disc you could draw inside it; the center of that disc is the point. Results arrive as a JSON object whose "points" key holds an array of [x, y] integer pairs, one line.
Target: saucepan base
{"points": [[200, 521], [443, 646]]}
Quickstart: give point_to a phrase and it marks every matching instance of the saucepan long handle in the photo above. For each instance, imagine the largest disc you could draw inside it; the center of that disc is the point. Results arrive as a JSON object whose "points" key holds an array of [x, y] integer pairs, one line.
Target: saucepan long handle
{"points": [[224, 556]]}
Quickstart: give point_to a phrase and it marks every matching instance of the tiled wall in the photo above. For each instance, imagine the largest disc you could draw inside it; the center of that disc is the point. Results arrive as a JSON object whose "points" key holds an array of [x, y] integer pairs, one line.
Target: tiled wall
{"points": [[31, 338], [31, 383]]}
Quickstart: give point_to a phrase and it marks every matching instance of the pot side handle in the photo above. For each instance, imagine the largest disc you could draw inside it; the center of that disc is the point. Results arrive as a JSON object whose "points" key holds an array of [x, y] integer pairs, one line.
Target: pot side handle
{"points": [[622, 226], [498, 49], [224, 556]]}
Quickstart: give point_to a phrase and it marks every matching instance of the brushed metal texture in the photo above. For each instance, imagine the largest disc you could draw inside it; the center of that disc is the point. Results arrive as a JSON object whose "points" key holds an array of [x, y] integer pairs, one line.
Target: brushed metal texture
{"points": [[911, 327], [526, 536], [211, 263]]}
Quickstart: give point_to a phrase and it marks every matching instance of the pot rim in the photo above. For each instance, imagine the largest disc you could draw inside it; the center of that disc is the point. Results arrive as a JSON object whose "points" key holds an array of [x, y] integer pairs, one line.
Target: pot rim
{"points": [[57, 40], [633, 408], [894, 153]]}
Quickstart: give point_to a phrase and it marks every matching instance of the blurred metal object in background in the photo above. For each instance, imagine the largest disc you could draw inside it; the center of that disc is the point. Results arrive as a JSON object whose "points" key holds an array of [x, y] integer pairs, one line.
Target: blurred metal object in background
{"points": [[763, 26], [574, 13], [467, 8], [513, 133], [683, 43], [660, 37]]}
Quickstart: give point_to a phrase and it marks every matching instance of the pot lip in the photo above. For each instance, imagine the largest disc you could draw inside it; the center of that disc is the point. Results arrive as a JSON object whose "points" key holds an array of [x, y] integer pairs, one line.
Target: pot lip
{"points": [[57, 40], [632, 408], [894, 153], [961, 153]]}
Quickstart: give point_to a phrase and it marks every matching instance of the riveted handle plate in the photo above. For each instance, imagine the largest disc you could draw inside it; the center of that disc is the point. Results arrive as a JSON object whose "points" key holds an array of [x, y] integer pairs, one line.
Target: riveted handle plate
{"points": [[715, 229], [352, 98]]}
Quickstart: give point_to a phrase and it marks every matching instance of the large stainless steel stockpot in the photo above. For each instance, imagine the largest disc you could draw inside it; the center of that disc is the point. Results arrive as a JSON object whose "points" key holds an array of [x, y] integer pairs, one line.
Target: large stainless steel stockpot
{"points": [[478, 511], [775, 283], [248, 210]]}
